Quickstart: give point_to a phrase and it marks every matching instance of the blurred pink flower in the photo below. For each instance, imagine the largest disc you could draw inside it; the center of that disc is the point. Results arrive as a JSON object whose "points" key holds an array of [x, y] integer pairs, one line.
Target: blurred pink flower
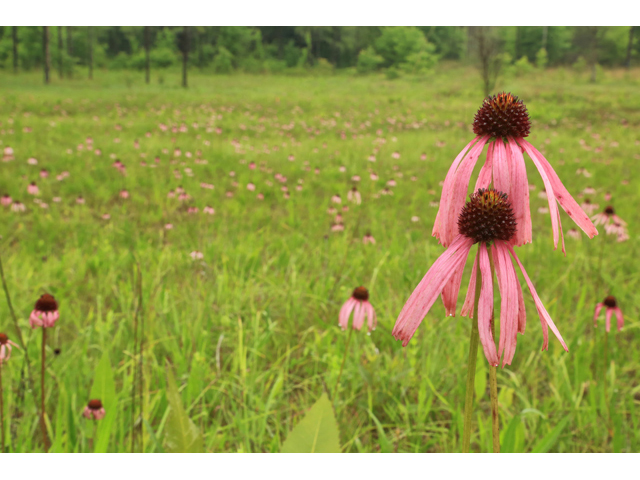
{"points": [[196, 255], [359, 304], [17, 206], [608, 216], [32, 189], [124, 194], [336, 199], [612, 307], [209, 210], [45, 313], [94, 410], [354, 196], [368, 238], [5, 348], [5, 201]]}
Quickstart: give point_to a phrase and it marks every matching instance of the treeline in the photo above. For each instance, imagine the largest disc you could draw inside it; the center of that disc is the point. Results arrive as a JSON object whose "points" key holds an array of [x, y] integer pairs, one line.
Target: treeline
{"points": [[278, 49]]}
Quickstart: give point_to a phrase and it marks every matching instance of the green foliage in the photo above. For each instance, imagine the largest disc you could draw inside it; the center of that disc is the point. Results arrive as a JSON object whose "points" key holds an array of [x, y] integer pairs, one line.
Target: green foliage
{"points": [[181, 435], [421, 62], [317, 432], [104, 389], [580, 65], [542, 59], [397, 44], [223, 61], [369, 60], [523, 67]]}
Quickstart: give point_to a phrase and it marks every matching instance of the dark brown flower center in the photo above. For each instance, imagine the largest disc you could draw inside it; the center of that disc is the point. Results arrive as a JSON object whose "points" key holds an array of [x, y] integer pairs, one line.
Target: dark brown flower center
{"points": [[502, 115], [3, 339], [487, 216], [46, 303], [360, 293], [609, 210], [95, 404], [610, 301]]}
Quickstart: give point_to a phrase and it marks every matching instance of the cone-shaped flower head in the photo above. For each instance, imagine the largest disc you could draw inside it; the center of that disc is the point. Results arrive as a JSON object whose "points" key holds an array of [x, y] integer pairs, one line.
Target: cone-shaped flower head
{"points": [[504, 119], [612, 307], [5, 347], [359, 304], [94, 410], [489, 220], [45, 313]]}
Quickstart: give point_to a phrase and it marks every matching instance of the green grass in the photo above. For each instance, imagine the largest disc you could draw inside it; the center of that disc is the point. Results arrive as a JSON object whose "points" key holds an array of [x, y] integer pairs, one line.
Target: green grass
{"points": [[251, 330]]}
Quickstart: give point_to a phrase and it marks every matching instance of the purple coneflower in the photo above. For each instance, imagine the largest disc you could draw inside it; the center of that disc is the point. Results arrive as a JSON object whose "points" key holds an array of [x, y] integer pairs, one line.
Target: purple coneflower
{"points": [[5, 348], [612, 307], [354, 196], [45, 312], [608, 216], [5, 201], [33, 189], [489, 220], [359, 304], [94, 410], [368, 238]]}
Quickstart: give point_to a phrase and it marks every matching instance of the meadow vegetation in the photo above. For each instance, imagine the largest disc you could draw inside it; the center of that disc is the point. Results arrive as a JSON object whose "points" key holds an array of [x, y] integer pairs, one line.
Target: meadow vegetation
{"points": [[250, 327]]}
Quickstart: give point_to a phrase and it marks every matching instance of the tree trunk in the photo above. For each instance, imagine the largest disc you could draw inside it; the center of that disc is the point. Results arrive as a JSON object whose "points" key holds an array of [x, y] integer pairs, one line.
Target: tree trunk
{"points": [[70, 51], [90, 53], [594, 55], [45, 48], [14, 36], [147, 69], [60, 54], [185, 54], [627, 62]]}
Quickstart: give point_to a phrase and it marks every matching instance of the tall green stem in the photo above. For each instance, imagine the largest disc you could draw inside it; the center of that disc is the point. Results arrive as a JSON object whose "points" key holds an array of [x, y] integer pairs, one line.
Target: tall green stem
{"points": [[1, 409], [344, 358], [471, 364], [43, 425]]}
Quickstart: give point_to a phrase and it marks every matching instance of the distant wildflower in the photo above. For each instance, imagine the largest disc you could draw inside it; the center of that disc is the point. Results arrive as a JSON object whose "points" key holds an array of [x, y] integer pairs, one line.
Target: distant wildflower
{"points": [[260, 196], [208, 210], [168, 226], [373, 176], [573, 233], [80, 200], [612, 307], [124, 194], [336, 199], [94, 410], [359, 304], [391, 183], [251, 187], [171, 194], [32, 161], [17, 206], [32, 189], [368, 238], [354, 196], [589, 207], [415, 219], [44, 173], [489, 220], [337, 227], [504, 118], [607, 216], [5, 348], [395, 155], [106, 216], [45, 313], [196, 255], [5, 201]]}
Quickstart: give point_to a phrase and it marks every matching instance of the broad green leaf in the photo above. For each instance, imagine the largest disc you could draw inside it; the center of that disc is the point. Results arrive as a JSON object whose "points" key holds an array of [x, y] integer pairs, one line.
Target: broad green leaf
{"points": [[104, 389], [550, 439], [181, 434], [317, 432]]}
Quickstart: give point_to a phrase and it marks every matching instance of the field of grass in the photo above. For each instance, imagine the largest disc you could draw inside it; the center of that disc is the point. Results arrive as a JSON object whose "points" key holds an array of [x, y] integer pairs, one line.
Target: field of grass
{"points": [[250, 330]]}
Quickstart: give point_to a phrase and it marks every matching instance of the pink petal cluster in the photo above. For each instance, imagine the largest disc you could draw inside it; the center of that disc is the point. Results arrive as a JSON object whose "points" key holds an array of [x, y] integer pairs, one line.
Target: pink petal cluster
{"points": [[362, 310]]}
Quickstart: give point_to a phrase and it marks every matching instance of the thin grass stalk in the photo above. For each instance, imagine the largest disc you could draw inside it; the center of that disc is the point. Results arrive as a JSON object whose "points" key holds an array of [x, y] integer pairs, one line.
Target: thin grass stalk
{"points": [[43, 425], [344, 358], [471, 364], [1, 409]]}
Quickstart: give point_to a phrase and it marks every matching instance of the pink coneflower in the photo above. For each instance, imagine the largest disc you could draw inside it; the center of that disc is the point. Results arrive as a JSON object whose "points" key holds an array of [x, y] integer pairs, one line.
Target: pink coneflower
{"points": [[45, 313], [208, 210], [192, 210], [354, 196], [423, 157], [260, 196], [196, 255], [124, 194], [505, 119], [359, 304], [168, 226], [608, 216], [32, 189], [573, 233], [5, 201], [184, 196], [44, 173], [368, 238], [5, 348], [607, 196], [171, 194], [612, 307], [80, 200], [395, 155], [17, 206], [373, 176], [589, 207], [32, 161], [337, 227], [251, 187], [336, 199], [372, 158], [94, 410], [106, 216], [615, 229], [415, 219], [252, 166], [391, 183], [489, 220]]}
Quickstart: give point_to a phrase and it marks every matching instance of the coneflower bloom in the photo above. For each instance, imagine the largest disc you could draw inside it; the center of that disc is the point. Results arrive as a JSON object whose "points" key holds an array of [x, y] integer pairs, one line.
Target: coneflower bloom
{"points": [[45, 313], [5, 347], [589, 207], [612, 307], [489, 220], [504, 119], [354, 196], [94, 410], [336, 199], [368, 238], [5, 201], [608, 216], [359, 304], [32, 189], [17, 206]]}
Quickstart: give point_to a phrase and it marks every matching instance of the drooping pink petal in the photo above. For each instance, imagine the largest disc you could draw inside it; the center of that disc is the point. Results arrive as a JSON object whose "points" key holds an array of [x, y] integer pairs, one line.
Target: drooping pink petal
{"points": [[596, 313], [454, 196], [509, 313], [431, 285], [451, 291], [501, 168], [485, 307], [553, 206], [619, 317], [371, 316], [467, 307], [486, 172], [607, 319], [345, 312], [562, 194], [358, 316], [519, 195], [448, 183], [545, 318]]}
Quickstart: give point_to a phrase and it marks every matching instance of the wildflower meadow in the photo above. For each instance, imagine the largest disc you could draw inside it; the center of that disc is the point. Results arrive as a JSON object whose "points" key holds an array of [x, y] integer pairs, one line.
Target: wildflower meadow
{"points": [[227, 267]]}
